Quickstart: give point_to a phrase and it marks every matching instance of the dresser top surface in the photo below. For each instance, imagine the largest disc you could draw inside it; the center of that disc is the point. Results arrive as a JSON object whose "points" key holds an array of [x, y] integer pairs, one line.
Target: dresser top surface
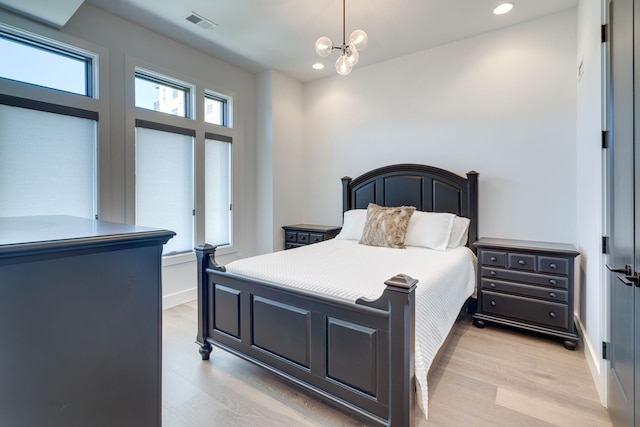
{"points": [[39, 232], [526, 245]]}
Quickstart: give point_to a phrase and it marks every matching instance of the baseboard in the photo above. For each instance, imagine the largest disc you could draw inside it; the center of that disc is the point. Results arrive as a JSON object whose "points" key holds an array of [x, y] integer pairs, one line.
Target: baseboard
{"points": [[178, 298], [593, 361]]}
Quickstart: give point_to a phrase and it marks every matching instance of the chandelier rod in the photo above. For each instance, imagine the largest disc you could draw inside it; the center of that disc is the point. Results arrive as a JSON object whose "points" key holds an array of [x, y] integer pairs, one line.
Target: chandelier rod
{"points": [[344, 31]]}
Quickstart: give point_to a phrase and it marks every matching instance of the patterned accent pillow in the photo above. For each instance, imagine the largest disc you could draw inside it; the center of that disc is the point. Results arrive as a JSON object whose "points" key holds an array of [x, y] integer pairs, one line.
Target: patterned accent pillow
{"points": [[386, 227]]}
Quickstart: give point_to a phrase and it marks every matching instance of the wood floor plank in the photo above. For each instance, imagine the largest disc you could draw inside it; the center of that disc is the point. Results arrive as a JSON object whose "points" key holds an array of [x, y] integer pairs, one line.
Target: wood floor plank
{"points": [[493, 376], [553, 412]]}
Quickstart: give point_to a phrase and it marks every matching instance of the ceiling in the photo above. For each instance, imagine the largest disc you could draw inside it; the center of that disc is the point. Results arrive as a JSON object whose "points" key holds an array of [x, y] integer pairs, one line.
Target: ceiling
{"points": [[55, 13], [280, 34]]}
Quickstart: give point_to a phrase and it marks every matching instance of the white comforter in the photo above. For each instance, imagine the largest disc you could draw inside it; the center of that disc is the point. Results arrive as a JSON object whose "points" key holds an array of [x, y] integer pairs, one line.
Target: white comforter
{"points": [[348, 270]]}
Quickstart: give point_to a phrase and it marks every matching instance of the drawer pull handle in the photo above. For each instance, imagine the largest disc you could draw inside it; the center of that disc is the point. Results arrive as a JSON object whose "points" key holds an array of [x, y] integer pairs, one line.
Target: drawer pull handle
{"points": [[552, 294], [493, 285], [493, 273], [552, 281], [552, 314], [521, 262], [553, 265], [493, 259], [493, 303]]}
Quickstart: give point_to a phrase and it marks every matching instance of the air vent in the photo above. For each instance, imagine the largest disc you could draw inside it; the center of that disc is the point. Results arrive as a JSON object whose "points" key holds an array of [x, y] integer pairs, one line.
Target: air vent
{"points": [[201, 21]]}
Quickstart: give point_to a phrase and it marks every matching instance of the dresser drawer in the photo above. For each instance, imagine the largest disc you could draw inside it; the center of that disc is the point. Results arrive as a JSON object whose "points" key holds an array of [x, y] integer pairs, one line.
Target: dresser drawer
{"points": [[303, 237], [525, 290], [525, 309], [520, 276], [493, 258], [522, 261], [553, 265]]}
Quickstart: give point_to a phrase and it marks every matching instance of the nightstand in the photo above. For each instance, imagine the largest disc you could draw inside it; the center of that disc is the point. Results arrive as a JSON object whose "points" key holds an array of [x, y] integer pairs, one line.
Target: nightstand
{"points": [[306, 234], [528, 285]]}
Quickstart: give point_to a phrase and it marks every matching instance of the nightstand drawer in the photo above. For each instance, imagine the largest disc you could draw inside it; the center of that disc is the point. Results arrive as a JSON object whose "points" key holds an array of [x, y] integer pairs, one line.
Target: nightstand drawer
{"points": [[315, 237], [522, 262], [521, 308], [307, 234], [493, 258], [553, 265], [291, 236], [518, 276], [525, 290]]}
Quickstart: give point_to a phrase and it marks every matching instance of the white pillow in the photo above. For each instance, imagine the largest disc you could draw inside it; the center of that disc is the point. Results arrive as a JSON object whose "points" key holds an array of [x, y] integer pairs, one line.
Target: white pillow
{"points": [[353, 224], [459, 232], [429, 230]]}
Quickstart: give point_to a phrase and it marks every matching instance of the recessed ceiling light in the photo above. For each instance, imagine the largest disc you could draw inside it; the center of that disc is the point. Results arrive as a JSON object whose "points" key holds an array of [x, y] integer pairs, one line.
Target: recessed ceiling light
{"points": [[502, 8], [318, 66]]}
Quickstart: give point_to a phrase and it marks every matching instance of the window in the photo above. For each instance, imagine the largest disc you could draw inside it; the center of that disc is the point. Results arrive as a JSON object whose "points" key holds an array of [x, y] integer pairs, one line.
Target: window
{"points": [[67, 69], [216, 109], [217, 169], [164, 182], [183, 170], [162, 94], [48, 150], [47, 159]]}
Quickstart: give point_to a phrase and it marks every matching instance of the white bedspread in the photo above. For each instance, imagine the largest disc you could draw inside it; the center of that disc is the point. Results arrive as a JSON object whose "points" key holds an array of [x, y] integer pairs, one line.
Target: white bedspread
{"points": [[348, 270]]}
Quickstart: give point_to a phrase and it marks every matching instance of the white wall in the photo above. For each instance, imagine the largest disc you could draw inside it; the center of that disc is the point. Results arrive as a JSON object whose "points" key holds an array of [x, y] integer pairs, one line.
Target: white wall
{"points": [[589, 221], [281, 153], [503, 104], [264, 164]]}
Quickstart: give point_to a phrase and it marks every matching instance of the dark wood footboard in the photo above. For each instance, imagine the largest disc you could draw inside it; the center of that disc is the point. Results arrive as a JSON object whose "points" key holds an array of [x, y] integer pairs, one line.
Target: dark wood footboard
{"points": [[356, 355]]}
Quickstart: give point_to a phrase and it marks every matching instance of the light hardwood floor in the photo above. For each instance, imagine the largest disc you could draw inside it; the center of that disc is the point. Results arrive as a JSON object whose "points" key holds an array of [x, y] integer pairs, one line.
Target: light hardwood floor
{"points": [[487, 377]]}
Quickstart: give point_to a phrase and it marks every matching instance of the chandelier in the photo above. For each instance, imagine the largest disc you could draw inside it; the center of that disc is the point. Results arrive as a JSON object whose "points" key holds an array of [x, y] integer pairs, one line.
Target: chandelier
{"points": [[349, 52]]}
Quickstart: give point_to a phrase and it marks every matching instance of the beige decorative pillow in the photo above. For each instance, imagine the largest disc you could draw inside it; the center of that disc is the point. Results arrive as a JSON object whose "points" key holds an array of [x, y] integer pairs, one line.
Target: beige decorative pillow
{"points": [[386, 227]]}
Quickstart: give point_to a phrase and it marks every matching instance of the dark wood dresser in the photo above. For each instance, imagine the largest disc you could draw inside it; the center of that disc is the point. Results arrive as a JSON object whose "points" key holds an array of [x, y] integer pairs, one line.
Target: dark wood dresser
{"points": [[529, 285], [306, 234], [80, 322]]}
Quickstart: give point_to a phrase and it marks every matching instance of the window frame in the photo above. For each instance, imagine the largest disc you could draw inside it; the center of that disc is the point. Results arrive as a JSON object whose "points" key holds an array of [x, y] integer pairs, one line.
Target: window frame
{"points": [[47, 44], [226, 103], [134, 113], [174, 84], [34, 96]]}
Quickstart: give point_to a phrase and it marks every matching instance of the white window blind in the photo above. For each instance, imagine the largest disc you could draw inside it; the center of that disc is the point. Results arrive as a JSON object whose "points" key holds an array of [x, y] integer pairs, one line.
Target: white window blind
{"points": [[164, 185], [217, 171], [47, 163]]}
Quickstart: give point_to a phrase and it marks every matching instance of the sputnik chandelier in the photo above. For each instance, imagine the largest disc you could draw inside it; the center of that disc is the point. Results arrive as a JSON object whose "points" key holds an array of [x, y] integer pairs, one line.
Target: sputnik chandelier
{"points": [[349, 56]]}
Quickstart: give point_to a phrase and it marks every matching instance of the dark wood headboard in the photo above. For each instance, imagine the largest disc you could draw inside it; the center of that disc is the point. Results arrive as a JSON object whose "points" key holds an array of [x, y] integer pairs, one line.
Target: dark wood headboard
{"points": [[426, 187]]}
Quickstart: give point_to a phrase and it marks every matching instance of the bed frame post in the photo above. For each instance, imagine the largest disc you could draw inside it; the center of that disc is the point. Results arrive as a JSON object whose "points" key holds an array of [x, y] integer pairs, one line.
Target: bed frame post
{"points": [[346, 194], [203, 253], [472, 194], [401, 292]]}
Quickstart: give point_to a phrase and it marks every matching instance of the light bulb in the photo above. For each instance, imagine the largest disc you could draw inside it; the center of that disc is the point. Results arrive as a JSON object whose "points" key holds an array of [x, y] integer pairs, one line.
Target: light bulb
{"points": [[324, 46], [358, 39], [342, 65], [352, 55]]}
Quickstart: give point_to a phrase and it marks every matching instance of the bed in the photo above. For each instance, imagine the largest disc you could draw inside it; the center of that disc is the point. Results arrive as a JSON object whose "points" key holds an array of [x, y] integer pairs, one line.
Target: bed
{"points": [[357, 349]]}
